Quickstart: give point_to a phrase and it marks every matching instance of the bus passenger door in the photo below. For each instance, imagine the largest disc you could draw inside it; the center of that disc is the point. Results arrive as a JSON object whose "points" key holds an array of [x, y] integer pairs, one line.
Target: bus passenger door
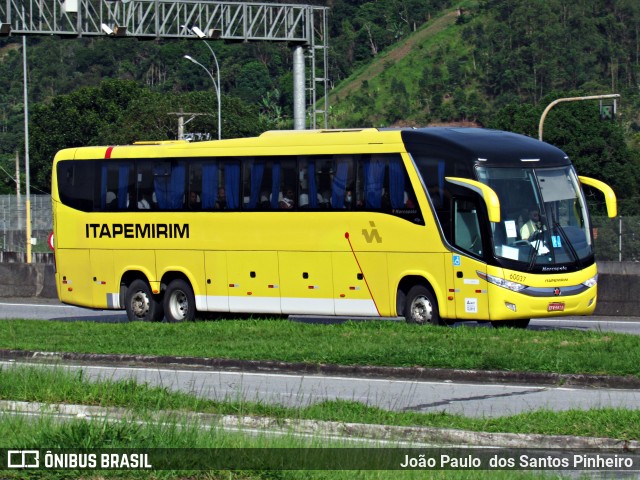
{"points": [[470, 290]]}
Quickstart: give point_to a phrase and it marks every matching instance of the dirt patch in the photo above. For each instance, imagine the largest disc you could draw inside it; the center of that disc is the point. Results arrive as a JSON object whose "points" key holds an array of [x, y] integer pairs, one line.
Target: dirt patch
{"points": [[4, 51], [377, 65]]}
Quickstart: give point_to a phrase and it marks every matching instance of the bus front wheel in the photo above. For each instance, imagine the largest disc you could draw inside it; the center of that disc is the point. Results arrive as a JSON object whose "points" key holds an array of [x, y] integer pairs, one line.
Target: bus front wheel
{"points": [[421, 307], [179, 302], [141, 304]]}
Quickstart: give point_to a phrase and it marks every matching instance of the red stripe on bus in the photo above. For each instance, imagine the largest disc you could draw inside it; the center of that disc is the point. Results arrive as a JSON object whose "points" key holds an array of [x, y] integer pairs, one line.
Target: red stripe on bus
{"points": [[107, 154], [346, 235]]}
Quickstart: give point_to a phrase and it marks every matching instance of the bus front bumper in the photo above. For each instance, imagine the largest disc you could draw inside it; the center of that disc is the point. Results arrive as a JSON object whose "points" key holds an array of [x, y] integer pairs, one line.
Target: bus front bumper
{"points": [[509, 305]]}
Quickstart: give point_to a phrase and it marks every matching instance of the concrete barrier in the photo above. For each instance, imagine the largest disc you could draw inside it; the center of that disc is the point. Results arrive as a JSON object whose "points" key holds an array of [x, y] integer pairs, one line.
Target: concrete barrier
{"points": [[27, 280], [618, 289], [618, 285]]}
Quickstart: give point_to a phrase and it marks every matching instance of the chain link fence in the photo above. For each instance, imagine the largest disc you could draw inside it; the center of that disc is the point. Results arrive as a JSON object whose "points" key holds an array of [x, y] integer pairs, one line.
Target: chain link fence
{"points": [[13, 233], [617, 239]]}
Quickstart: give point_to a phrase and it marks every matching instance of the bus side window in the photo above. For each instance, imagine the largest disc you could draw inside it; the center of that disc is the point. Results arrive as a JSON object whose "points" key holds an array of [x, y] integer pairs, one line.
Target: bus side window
{"points": [[289, 183], [324, 170], [467, 234], [76, 184], [256, 171], [231, 183], [308, 187], [342, 179], [117, 185], [144, 185], [269, 183], [210, 186], [169, 184], [385, 185]]}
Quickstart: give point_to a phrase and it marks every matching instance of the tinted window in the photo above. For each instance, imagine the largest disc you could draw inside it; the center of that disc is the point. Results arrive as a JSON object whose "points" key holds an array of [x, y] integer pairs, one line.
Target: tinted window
{"points": [[320, 182], [76, 184]]}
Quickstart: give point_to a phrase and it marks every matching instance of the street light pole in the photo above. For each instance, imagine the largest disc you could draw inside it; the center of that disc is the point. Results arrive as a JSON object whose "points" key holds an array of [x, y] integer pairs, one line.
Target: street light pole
{"points": [[570, 99], [201, 35], [216, 86], [215, 59]]}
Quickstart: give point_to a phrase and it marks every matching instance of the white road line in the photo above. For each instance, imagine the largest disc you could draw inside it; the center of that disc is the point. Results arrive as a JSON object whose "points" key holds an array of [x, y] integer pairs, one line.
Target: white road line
{"points": [[590, 322], [35, 305]]}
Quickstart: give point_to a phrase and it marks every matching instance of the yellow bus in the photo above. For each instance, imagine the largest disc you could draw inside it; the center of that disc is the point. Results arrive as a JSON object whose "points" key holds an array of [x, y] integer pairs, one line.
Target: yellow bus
{"points": [[436, 225]]}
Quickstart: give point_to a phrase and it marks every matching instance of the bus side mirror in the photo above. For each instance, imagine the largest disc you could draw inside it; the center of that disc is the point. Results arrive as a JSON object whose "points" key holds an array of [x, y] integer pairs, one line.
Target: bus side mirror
{"points": [[489, 196], [609, 195]]}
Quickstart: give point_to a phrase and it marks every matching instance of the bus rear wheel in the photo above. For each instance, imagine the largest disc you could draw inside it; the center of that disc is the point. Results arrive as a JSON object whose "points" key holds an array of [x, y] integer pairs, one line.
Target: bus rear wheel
{"points": [[421, 307], [179, 302], [141, 304]]}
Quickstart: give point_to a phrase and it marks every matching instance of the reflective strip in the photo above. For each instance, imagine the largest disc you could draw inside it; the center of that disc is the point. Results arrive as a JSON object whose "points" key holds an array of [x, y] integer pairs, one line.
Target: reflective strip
{"points": [[113, 301], [286, 305]]}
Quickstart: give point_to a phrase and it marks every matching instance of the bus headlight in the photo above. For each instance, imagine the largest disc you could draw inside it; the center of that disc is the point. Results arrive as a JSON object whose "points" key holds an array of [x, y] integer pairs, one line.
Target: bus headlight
{"points": [[592, 282], [501, 282]]}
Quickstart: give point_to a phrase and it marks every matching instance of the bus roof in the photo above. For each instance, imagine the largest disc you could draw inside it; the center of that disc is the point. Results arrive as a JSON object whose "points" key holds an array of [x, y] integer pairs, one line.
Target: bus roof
{"points": [[491, 146], [494, 147], [281, 142]]}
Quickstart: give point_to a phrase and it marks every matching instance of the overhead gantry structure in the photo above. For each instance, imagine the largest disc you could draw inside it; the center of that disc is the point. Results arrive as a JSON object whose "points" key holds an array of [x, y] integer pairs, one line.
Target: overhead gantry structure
{"points": [[304, 27]]}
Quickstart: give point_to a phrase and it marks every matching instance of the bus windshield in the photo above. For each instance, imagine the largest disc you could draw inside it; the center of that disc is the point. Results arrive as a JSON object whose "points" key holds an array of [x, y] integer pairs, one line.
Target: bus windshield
{"points": [[544, 224]]}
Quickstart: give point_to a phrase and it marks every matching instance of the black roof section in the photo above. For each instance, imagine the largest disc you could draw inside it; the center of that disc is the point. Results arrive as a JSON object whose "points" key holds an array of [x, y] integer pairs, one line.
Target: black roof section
{"points": [[494, 146]]}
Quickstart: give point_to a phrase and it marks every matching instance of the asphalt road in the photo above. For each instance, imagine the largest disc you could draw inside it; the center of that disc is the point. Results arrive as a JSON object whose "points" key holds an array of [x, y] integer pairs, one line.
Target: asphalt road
{"points": [[300, 390], [479, 398]]}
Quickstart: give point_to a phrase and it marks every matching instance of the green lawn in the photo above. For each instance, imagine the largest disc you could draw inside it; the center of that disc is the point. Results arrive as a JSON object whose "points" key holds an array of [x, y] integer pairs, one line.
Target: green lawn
{"points": [[379, 343], [350, 343], [172, 429]]}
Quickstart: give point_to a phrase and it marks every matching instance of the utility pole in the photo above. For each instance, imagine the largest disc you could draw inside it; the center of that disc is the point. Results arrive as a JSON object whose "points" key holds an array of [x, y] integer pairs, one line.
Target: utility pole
{"points": [[18, 191], [182, 122]]}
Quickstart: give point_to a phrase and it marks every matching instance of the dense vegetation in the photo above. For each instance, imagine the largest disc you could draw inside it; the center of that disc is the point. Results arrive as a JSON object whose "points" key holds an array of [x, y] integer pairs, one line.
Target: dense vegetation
{"points": [[494, 63]]}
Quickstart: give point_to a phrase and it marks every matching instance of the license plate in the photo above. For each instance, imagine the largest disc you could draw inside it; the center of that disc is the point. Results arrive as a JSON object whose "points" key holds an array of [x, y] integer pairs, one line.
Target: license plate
{"points": [[555, 307]]}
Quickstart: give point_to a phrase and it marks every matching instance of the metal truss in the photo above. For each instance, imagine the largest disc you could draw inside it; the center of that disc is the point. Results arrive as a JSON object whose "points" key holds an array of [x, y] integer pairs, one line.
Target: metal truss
{"points": [[301, 25]]}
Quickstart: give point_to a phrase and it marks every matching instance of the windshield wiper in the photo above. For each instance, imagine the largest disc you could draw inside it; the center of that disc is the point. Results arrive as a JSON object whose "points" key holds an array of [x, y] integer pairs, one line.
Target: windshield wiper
{"points": [[534, 247], [567, 242]]}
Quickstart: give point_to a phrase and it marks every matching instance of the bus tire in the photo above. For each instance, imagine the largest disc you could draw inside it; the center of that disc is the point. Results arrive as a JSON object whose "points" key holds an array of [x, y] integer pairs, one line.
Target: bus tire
{"points": [[522, 323], [421, 307], [141, 304], [179, 302]]}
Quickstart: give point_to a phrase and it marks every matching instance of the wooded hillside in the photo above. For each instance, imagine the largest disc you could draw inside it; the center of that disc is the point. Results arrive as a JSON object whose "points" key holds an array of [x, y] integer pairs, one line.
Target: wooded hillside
{"points": [[493, 63]]}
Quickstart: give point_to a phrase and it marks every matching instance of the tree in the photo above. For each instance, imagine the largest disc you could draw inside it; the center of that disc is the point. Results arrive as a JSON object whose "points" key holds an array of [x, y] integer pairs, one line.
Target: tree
{"points": [[598, 149], [121, 112]]}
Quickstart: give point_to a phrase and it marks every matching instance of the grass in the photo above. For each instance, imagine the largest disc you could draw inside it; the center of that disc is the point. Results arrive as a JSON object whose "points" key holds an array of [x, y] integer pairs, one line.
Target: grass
{"points": [[178, 443], [351, 343], [56, 385], [376, 343], [173, 431]]}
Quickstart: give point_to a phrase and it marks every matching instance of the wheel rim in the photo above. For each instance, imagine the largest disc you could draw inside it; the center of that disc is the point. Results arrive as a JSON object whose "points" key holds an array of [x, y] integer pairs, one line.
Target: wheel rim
{"points": [[179, 305], [421, 310], [139, 304]]}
